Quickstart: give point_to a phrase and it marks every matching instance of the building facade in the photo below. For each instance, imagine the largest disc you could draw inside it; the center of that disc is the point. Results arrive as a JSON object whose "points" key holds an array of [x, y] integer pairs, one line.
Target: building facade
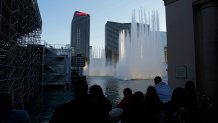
{"points": [[80, 34], [192, 34], [56, 65], [112, 30]]}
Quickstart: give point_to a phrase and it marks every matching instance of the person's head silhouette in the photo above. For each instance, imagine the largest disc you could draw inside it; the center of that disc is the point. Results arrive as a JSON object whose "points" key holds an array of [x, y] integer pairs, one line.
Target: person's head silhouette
{"points": [[157, 80], [127, 91], [6, 102], [80, 87], [96, 91]]}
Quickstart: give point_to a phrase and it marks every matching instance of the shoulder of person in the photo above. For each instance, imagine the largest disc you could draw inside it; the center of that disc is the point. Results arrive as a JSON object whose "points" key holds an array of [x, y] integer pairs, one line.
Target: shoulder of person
{"points": [[61, 108], [20, 115], [108, 100], [59, 112], [163, 82], [19, 112]]}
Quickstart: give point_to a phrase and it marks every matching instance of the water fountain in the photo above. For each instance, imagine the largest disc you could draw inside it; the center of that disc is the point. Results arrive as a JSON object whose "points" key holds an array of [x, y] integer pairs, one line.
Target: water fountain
{"points": [[140, 52], [97, 65]]}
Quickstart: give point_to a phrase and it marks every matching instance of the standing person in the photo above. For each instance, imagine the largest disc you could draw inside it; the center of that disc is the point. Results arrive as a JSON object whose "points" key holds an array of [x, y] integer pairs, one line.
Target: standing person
{"points": [[78, 110], [163, 90], [102, 104], [8, 114]]}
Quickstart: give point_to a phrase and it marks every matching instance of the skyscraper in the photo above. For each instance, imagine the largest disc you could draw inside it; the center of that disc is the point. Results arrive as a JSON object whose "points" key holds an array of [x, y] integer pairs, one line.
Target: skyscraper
{"points": [[112, 30], [80, 34]]}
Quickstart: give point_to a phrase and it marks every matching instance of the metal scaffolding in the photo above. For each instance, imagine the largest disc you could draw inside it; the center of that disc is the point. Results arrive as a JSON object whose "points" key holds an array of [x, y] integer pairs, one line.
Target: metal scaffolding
{"points": [[20, 49]]}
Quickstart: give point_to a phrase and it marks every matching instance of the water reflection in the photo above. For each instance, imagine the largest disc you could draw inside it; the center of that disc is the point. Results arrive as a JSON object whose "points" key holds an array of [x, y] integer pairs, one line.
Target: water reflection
{"points": [[50, 98], [113, 88]]}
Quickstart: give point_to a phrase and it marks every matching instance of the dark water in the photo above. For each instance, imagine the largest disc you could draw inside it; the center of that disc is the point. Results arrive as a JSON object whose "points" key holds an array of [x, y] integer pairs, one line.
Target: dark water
{"points": [[44, 105]]}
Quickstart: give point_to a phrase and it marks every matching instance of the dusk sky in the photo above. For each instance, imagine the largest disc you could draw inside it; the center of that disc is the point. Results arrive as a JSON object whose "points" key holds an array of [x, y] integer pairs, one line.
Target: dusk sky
{"points": [[57, 16]]}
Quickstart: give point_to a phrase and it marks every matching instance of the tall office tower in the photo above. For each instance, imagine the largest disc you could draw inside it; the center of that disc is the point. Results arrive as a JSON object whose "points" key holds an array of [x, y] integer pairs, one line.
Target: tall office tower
{"points": [[80, 34], [112, 30]]}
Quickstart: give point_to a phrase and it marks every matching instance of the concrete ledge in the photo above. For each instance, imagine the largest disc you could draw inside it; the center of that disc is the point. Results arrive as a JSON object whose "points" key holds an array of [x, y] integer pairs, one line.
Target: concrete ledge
{"points": [[167, 2]]}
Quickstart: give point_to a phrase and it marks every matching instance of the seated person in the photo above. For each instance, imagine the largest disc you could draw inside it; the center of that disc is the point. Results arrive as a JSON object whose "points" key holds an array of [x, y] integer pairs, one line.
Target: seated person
{"points": [[8, 114], [163, 90]]}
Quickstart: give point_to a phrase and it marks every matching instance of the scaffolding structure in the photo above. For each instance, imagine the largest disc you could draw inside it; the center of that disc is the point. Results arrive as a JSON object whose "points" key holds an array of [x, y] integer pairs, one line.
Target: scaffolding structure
{"points": [[21, 54]]}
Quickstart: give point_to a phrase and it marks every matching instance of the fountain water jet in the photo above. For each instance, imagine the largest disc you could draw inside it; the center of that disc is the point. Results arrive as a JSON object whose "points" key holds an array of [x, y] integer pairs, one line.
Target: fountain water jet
{"points": [[140, 52], [97, 65]]}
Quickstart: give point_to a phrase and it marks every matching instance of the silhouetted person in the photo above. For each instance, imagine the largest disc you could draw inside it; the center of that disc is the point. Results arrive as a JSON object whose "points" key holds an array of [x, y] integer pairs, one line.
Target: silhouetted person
{"points": [[103, 104], [163, 90], [127, 99], [78, 110], [125, 102], [175, 109], [153, 106], [8, 114], [136, 112], [191, 94], [18, 104], [192, 103]]}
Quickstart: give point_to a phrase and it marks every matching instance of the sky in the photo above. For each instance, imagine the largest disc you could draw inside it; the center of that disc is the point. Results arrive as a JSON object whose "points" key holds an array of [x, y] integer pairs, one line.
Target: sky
{"points": [[58, 14]]}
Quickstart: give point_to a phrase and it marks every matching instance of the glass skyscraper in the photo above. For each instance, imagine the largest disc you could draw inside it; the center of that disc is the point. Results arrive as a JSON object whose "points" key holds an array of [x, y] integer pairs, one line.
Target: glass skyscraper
{"points": [[80, 34], [112, 30]]}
